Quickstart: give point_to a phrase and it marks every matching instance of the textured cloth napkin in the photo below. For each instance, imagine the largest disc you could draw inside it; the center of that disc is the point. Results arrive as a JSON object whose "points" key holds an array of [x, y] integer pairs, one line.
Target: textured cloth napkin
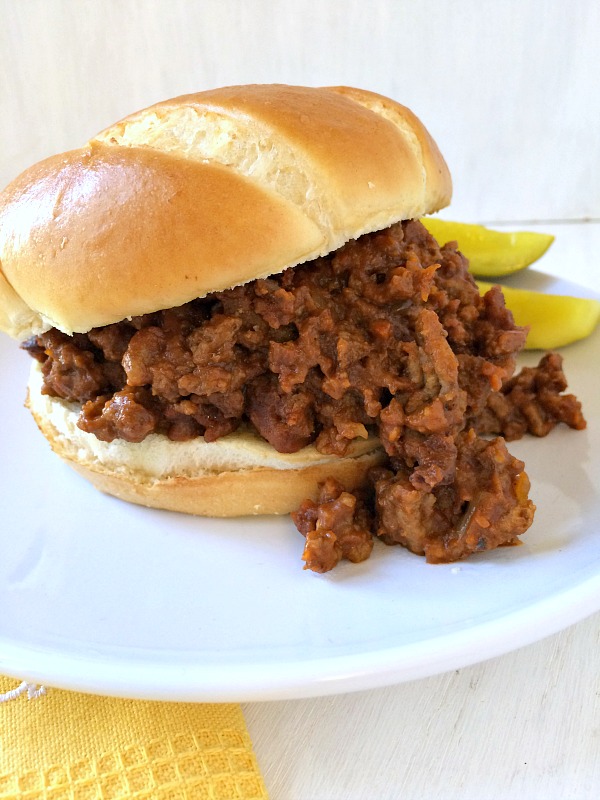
{"points": [[69, 746]]}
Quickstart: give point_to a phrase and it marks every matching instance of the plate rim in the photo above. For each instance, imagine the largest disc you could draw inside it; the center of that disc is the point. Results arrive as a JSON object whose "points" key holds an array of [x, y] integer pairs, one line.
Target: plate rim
{"points": [[288, 680]]}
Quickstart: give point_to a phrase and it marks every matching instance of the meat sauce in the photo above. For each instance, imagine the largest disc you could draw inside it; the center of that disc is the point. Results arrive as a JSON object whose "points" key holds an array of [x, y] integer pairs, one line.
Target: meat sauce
{"points": [[387, 336]]}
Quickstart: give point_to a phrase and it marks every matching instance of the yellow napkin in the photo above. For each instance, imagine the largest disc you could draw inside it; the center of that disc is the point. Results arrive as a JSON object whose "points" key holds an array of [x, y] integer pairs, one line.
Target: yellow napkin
{"points": [[69, 746]]}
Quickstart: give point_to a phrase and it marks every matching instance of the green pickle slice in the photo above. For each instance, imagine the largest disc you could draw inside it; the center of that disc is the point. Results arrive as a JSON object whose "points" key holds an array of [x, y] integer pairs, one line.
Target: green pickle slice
{"points": [[491, 253], [554, 320]]}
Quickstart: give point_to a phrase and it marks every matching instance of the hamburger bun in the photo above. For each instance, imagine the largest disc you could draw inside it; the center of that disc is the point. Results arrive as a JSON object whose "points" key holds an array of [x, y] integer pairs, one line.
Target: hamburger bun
{"points": [[203, 193], [190, 196]]}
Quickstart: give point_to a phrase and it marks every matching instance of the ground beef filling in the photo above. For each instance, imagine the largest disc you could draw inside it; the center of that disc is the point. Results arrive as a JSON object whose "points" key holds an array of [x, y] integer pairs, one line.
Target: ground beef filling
{"points": [[386, 336]]}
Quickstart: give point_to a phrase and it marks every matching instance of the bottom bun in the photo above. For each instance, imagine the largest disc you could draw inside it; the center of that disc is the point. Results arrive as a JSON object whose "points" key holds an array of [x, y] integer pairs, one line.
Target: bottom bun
{"points": [[237, 475]]}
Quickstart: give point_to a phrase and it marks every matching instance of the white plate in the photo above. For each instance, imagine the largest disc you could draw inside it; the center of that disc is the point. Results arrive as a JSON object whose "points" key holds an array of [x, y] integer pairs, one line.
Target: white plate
{"points": [[100, 596]]}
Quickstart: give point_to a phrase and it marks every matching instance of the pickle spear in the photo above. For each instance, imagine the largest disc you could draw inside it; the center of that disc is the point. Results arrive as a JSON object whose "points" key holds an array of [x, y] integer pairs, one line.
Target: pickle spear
{"points": [[491, 253], [554, 320]]}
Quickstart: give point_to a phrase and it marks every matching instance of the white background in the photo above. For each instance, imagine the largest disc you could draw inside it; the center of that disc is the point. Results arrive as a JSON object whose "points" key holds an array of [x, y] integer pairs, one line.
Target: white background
{"points": [[511, 92], [510, 89]]}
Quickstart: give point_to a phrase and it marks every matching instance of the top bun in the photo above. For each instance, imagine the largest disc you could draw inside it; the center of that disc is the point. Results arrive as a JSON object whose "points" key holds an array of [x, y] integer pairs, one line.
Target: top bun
{"points": [[205, 192]]}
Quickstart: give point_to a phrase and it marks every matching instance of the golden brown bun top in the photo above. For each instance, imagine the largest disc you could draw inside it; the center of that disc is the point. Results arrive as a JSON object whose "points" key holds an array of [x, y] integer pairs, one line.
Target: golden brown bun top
{"points": [[205, 192]]}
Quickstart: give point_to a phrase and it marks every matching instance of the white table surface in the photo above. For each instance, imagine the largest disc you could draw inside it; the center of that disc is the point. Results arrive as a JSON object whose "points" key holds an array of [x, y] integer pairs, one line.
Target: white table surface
{"points": [[524, 725]]}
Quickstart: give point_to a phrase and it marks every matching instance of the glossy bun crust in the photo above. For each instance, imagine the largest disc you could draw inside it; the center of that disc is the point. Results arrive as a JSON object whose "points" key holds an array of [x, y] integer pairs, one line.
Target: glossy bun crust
{"points": [[205, 192]]}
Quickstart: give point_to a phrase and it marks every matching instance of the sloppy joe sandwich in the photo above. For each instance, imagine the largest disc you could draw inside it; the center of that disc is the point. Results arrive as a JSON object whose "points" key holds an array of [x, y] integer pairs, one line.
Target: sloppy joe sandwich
{"points": [[233, 309]]}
